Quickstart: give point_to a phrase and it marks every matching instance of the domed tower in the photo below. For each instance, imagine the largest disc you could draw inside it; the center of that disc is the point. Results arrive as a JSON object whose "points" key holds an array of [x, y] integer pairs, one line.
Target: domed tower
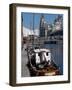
{"points": [[42, 27]]}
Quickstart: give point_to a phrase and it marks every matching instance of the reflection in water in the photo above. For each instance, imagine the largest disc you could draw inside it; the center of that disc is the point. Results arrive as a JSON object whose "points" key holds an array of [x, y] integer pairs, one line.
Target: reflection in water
{"points": [[57, 54]]}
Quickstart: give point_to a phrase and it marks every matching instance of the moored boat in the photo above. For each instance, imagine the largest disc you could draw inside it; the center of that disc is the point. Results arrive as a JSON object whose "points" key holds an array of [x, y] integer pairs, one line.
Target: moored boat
{"points": [[40, 63]]}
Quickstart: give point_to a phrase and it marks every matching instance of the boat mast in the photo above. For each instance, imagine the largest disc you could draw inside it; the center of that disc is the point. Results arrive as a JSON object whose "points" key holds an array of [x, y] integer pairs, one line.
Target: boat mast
{"points": [[22, 32], [33, 30]]}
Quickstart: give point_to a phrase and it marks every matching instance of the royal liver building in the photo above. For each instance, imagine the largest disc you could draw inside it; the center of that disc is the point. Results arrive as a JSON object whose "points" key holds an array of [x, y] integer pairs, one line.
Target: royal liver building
{"points": [[44, 27]]}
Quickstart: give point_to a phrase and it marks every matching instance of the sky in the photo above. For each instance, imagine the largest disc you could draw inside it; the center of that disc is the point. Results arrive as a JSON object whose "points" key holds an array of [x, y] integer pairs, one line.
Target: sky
{"points": [[28, 19]]}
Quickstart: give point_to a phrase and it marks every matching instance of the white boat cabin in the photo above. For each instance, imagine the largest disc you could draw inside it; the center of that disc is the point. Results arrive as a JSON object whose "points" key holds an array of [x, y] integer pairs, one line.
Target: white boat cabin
{"points": [[42, 55]]}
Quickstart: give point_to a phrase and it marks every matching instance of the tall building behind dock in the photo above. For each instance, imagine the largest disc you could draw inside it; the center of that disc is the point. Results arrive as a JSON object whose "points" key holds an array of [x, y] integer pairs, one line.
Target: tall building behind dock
{"points": [[45, 28]]}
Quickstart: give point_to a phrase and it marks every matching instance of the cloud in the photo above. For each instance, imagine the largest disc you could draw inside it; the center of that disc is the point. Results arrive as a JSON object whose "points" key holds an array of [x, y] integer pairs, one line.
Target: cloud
{"points": [[27, 31]]}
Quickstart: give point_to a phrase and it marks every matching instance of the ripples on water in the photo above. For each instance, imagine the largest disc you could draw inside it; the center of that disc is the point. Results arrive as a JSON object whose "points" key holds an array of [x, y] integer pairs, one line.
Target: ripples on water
{"points": [[57, 54]]}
